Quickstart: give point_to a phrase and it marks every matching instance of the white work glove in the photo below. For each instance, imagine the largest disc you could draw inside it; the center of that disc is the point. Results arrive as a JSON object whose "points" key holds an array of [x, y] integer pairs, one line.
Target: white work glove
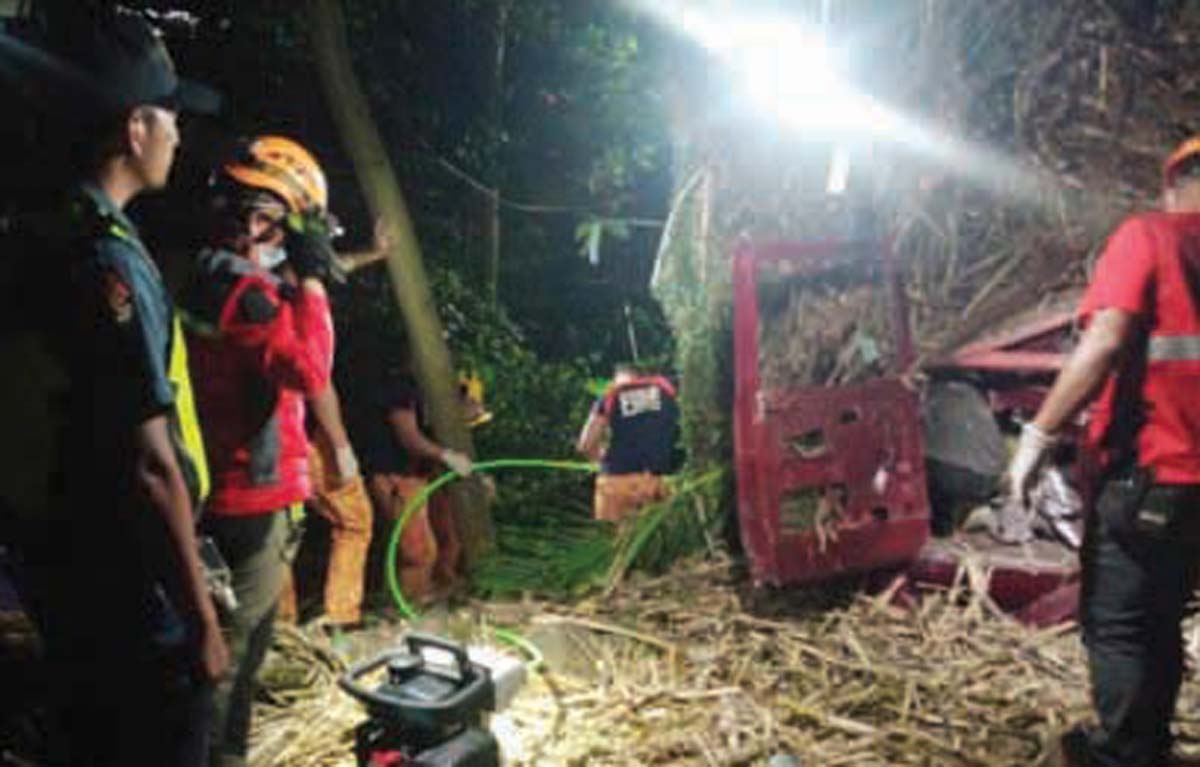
{"points": [[1026, 462], [347, 462], [457, 462]]}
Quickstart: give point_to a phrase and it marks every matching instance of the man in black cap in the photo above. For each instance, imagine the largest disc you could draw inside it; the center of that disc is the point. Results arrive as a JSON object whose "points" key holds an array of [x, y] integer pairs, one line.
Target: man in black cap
{"points": [[128, 624]]}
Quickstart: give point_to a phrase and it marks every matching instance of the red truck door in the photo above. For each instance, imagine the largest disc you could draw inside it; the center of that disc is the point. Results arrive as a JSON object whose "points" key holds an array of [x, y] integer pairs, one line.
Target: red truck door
{"points": [[831, 479]]}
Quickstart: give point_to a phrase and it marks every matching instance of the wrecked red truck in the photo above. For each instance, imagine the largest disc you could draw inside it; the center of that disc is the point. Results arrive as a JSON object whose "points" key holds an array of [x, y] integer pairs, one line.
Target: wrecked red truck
{"points": [[870, 476]]}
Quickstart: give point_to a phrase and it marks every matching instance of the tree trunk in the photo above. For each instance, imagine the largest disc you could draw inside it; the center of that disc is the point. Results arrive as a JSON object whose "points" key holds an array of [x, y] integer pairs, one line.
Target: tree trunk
{"points": [[410, 286]]}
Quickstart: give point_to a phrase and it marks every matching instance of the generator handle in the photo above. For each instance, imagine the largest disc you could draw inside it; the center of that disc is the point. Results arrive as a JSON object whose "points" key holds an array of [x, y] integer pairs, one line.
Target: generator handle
{"points": [[349, 682], [417, 640]]}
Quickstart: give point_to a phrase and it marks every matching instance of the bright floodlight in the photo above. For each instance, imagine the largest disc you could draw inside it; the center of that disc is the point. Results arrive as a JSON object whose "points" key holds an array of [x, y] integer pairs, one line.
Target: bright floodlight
{"points": [[792, 77], [790, 73], [786, 70]]}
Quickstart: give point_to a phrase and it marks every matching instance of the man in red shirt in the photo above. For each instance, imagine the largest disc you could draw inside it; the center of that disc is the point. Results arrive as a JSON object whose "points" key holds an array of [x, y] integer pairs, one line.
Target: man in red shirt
{"points": [[1139, 360], [261, 343]]}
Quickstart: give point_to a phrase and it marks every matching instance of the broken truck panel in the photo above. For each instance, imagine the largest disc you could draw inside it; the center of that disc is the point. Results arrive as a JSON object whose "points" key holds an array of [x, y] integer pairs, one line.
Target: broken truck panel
{"points": [[1031, 349], [830, 479], [845, 478]]}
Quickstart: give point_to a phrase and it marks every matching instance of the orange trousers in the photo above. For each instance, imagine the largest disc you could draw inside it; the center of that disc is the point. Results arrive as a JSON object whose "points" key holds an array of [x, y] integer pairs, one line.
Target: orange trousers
{"points": [[621, 495], [348, 510], [430, 550]]}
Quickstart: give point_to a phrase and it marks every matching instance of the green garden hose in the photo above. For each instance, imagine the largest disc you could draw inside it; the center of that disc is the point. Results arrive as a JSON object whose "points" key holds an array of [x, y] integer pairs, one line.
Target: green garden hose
{"points": [[536, 660], [418, 500]]}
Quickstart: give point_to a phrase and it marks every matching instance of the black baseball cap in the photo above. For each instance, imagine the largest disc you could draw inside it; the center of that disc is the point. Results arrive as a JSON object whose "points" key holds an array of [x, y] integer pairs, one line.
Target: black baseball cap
{"points": [[126, 64]]}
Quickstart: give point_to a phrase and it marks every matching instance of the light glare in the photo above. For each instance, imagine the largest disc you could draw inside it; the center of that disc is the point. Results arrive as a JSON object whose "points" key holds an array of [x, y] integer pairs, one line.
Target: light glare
{"points": [[789, 73]]}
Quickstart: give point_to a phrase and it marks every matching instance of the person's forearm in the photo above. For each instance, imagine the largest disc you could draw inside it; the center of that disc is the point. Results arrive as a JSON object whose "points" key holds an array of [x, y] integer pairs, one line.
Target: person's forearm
{"points": [[1082, 375], [353, 261], [327, 412], [408, 433], [592, 452], [423, 447], [165, 490], [382, 243], [591, 439]]}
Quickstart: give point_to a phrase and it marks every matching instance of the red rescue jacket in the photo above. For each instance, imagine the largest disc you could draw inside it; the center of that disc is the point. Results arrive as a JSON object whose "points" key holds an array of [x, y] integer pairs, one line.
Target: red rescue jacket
{"points": [[1148, 411], [259, 348]]}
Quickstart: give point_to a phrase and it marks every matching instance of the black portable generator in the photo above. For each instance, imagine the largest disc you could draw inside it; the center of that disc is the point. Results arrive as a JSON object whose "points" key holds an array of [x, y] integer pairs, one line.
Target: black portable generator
{"points": [[431, 708]]}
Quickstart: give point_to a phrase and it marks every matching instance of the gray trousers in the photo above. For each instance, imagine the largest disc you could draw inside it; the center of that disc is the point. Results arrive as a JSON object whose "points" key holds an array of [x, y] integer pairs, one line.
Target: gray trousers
{"points": [[259, 550]]}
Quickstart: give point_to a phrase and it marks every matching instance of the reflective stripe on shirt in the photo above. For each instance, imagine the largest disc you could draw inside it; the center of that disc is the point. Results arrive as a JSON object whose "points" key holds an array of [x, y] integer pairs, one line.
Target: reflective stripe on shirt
{"points": [[178, 375], [185, 407], [1173, 348]]}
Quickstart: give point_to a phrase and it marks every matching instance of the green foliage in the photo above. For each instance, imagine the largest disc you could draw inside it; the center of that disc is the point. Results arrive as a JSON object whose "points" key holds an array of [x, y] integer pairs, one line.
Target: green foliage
{"points": [[591, 232], [560, 554], [547, 542], [668, 530], [693, 290], [539, 406]]}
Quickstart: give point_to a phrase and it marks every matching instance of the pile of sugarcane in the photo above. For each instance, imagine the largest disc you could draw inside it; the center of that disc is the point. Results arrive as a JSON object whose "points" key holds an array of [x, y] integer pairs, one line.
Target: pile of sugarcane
{"points": [[302, 718], [1052, 123], [1088, 98], [693, 668], [822, 334], [690, 669]]}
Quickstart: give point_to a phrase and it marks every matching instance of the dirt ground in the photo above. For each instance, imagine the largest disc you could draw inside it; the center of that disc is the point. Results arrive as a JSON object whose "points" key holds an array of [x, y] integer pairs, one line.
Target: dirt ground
{"points": [[696, 669]]}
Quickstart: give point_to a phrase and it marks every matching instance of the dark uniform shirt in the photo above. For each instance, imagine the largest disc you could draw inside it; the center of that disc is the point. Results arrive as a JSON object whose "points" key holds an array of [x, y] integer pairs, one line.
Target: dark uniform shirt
{"points": [[374, 440], [642, 417], [110, 321]]}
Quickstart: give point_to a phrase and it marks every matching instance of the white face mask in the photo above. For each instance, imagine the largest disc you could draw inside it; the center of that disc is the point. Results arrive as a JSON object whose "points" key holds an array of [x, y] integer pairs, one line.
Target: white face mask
{"points": [[271, 256]]}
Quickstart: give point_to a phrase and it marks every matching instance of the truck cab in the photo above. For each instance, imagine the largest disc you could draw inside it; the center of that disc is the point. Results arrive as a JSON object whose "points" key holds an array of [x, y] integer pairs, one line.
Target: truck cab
{"points": [[833, 472]]}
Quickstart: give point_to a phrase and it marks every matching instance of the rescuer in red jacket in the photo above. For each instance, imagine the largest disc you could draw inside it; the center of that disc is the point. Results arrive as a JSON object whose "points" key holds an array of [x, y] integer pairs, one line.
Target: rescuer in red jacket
{"points": [[1138, 363], [261, 344]]}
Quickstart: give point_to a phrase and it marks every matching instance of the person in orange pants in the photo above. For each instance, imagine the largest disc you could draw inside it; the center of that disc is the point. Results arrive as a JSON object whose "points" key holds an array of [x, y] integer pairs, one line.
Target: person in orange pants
{"points": [[338, 492], [344, 503], [419, 548], [638, 417], [400, 458], [619, 496]]}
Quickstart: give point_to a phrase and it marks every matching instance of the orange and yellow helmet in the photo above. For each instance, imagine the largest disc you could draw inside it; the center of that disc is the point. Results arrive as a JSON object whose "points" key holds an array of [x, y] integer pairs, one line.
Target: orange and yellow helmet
{"points": [[1188, 150], [470, 393], [283, 167]]}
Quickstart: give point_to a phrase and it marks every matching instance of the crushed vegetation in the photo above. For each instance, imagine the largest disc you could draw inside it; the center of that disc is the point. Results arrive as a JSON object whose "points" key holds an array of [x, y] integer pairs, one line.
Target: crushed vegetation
{"points": [[693, 668]]}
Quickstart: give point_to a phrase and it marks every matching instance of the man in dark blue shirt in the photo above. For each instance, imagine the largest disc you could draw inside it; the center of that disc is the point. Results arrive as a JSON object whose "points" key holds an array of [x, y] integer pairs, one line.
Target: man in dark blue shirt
{"points": [[127, 622], [399, 459], [638, 414]]}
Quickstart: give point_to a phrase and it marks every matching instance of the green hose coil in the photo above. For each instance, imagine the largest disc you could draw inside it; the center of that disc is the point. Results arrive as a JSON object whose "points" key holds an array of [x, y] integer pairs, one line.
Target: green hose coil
{"points": [[419, 500]]}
